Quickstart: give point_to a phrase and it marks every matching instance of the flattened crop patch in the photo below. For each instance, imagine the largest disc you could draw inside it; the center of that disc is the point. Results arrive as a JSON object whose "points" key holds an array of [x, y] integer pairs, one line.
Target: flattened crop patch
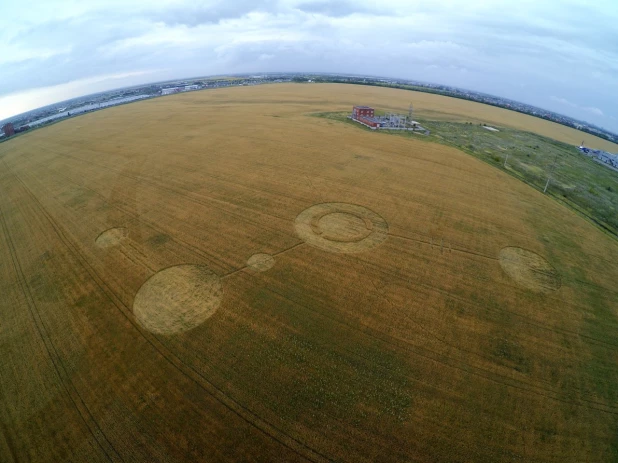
{"points": [[529, 270], [111, 237], [178, 299], [260, 262], [341, 227]]}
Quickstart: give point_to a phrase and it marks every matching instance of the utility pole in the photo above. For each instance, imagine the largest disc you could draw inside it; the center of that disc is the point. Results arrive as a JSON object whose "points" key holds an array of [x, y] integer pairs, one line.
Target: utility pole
{"points": [[551, 171], [546, 185], [506, 159]]}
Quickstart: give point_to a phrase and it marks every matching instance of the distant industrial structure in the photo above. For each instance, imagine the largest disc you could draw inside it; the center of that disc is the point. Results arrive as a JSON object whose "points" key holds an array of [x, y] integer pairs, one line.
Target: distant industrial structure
{"points": [[186, 88], [365, 115], [601, 156], [8, 129]]}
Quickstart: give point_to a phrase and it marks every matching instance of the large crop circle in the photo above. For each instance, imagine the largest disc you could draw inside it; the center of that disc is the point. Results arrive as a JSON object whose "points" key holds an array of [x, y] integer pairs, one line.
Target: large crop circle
{"points": [[178, 299], [341, 227]]}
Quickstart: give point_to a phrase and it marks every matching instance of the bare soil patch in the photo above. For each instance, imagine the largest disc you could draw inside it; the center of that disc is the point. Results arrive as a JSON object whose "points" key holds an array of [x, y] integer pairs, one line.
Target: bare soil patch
{"points": [[178, 299], [529, 270]]}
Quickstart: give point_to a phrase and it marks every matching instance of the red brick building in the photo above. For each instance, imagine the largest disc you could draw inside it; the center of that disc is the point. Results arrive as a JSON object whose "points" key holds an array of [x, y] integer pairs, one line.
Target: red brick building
{"points": [[362, 111], [8, 129], [365, 115], [370, 121]]}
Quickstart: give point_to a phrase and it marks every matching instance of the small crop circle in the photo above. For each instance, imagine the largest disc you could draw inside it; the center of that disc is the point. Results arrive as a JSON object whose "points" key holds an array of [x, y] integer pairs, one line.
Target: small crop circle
{"points": [[260, 262]]}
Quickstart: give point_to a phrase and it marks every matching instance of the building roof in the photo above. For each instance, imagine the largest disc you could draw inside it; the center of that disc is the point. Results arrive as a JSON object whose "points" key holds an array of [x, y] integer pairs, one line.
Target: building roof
{"points": [[372, 119], [363, 107]]}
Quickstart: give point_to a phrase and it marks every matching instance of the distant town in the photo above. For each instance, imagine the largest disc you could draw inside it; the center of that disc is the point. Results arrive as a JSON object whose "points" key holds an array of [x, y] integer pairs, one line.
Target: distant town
{"points": [[55, 112]]}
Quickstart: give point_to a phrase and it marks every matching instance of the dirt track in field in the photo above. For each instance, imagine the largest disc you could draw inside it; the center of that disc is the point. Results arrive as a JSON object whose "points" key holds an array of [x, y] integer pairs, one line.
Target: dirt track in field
{"points": [[218, 276]]}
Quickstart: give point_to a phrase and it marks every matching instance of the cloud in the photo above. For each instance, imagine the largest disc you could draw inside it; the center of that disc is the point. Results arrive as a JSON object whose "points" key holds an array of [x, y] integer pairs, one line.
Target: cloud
{"points": [[590, 109], [20, 54], [335, 8], [193, 15], [593, 110], [563, 101]]}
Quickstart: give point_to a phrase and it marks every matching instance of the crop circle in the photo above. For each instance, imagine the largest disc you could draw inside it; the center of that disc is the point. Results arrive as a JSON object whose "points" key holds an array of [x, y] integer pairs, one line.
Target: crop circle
{"points": [[111, 237], [529, 270], [260, 262], [341, 227], [178, 299]]}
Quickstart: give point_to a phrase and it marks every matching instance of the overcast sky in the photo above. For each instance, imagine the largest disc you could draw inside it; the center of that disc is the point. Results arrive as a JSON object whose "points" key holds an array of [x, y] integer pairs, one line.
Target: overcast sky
{"points": [[557, 54]]}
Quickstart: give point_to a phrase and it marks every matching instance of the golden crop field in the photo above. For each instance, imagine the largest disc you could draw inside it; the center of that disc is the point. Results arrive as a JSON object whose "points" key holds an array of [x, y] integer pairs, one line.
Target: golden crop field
{"points": [[219, 276]]}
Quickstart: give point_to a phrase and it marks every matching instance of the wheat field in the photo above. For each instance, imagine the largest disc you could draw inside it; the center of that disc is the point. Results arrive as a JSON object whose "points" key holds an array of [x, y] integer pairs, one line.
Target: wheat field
{"points": [[219, 276]]}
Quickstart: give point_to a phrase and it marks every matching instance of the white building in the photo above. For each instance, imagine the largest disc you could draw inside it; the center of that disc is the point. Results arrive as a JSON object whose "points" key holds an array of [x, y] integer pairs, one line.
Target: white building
{"points": [[186, 88], [608, 158], [169, 91]]}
